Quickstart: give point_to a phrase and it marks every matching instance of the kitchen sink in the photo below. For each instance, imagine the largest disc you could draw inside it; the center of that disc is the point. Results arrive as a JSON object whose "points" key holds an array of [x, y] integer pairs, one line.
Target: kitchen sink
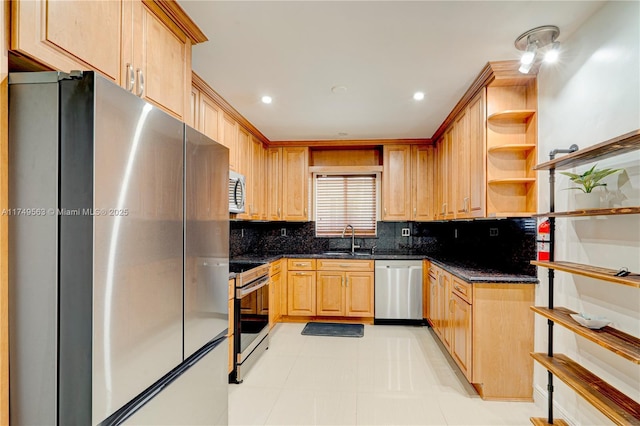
{"points": [[344, 253]]}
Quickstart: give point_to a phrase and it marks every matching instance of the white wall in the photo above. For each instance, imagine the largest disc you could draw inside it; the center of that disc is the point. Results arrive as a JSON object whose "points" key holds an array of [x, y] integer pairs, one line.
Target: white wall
{"points": [[591, 96]]}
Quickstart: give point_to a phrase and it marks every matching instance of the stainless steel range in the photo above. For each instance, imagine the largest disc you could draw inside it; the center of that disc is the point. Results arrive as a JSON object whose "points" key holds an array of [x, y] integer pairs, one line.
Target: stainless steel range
{"points": [[251, 312]]}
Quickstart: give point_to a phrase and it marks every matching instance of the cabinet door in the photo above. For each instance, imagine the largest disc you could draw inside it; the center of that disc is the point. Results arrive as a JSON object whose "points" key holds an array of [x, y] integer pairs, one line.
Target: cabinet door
{"points": [[295, 166], [194, 113], [396, 179], [461, 334], [258, 177], [450, 175], [445, 308], [209, 117], [274, 299], [301, 293], [359, 294], [434, 301], [477, 155], [422, 183], [244, 166], [461, 156], [65, 34], [330, 293], [228, 136], [273, 181], [161, 58]]}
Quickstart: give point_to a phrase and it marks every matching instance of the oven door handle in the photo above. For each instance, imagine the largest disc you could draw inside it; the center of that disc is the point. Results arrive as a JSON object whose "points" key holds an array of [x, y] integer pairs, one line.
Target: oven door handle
{"points": [[243, 291]]}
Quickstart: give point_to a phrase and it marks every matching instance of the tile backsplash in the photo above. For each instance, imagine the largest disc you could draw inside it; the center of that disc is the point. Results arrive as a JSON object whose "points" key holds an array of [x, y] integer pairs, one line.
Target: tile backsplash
{"points": [[505, 244]]}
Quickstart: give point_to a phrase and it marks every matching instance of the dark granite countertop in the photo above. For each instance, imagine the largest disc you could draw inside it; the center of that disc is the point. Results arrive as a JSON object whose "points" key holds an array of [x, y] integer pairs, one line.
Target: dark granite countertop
{"points": [[466, 270]]}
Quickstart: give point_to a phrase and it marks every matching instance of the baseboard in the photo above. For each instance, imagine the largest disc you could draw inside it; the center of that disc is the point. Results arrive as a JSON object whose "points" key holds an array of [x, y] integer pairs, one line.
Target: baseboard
{"points": [[540, 398]]}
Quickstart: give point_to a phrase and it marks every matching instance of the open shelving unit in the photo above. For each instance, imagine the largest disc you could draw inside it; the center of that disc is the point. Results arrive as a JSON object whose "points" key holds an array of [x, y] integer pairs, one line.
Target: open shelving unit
{"points": [[511, 149], [615, 405]]}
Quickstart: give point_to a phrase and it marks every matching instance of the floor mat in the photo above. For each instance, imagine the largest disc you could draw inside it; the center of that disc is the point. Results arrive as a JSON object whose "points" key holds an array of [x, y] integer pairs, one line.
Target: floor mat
{"points": [[333, 329]]}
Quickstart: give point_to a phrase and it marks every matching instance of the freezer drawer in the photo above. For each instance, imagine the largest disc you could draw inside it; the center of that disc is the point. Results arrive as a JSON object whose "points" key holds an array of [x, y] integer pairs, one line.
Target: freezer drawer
{"points": [[197, 396], [398, 290]]}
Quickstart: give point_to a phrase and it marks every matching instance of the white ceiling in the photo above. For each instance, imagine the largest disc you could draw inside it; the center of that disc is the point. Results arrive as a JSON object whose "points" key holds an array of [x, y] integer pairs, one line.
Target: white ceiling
{"points": [[381, 51]]}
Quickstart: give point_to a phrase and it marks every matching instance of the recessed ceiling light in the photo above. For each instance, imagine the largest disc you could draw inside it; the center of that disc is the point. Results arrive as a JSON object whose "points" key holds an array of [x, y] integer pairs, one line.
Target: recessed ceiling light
{"points": [[418, 96], [339, 89], [266, 99]]}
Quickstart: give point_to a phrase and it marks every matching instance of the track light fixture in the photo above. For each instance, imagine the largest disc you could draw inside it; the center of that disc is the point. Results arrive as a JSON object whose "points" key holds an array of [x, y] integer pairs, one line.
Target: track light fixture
{"points": [[539, 40]]}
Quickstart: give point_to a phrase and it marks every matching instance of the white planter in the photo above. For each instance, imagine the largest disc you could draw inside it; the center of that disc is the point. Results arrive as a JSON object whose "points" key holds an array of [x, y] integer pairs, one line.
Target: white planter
{"points": [[585, 201]]}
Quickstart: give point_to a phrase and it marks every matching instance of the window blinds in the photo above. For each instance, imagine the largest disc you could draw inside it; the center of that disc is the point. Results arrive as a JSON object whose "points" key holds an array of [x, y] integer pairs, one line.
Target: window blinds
{"points": [[345, 199]]}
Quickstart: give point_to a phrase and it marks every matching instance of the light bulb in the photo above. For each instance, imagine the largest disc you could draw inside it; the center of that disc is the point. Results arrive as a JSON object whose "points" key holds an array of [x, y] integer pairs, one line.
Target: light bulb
{"points": [[529, 55], [525, 68], [553, 53]]}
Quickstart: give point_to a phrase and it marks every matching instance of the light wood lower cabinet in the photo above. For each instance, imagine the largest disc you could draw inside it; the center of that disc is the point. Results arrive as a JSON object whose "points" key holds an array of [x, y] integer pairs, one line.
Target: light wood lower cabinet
{"points": [[301, 287], [330, 287], [461, 333], [488, 330], [275, 292]]}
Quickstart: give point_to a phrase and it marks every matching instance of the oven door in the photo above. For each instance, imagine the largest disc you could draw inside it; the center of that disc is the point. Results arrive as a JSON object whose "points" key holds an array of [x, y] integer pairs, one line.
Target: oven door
{"points": [[252, 307]]}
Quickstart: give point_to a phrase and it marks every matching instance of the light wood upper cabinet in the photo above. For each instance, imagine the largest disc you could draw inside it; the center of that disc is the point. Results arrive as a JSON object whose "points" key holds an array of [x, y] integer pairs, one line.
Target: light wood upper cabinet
{"points": [[422, 182], [396, 182], [228, 136], [460, 155], [477, 135], [160, 55], [139, 45], [295, 175], [209, 117], [446, 172], [257, 203], [64, 34], [273, 183], [193, 119], [469, 132]]}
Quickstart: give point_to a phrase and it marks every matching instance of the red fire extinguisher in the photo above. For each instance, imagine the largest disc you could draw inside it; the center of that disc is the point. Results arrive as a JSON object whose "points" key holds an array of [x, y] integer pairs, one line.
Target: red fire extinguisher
{"points": [[544, 245]]}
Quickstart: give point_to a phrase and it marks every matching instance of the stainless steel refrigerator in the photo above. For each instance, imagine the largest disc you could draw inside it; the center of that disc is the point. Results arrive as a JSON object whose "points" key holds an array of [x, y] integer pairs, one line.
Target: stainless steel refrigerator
{"points": [[118, 258]]}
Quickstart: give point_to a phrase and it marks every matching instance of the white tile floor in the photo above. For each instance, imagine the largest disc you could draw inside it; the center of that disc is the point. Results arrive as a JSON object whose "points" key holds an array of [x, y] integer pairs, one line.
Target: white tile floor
{"points": [[394, 375]]}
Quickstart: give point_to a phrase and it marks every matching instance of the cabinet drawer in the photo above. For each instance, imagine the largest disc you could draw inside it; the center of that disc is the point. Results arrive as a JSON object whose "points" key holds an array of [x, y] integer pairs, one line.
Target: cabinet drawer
{"points": [[275, 267], [344, 265], [301, 264], [462, 289]]}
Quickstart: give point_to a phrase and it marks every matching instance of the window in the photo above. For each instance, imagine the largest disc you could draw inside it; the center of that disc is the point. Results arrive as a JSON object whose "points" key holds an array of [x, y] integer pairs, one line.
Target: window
{"points": [[345, 199]]}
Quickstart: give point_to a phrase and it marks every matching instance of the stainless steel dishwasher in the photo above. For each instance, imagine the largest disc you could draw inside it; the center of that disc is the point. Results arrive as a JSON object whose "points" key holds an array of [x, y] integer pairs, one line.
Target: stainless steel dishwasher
{"points": [[398, 291]]}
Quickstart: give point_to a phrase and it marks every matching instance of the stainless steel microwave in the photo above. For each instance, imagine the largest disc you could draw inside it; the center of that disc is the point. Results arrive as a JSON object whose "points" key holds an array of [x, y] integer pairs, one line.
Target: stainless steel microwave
{"points": [[237, 191]]}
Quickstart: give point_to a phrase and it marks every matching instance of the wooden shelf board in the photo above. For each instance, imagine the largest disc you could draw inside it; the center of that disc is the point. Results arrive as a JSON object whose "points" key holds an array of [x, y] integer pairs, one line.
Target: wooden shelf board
{"points": [[617, 406], [513, 147], [540, 421], [596, 272], [510, 181], [511, 116], [592, 212], [610, 148], [616, 341], [510, 214]]}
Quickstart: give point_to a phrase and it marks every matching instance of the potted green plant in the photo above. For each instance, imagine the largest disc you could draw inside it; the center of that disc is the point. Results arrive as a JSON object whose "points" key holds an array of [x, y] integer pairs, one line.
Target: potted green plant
{"points": [[587, 182]]}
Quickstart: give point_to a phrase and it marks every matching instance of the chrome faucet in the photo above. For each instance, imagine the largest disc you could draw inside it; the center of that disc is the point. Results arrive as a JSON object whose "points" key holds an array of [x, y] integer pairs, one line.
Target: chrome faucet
{"points": [[353, 237]]}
